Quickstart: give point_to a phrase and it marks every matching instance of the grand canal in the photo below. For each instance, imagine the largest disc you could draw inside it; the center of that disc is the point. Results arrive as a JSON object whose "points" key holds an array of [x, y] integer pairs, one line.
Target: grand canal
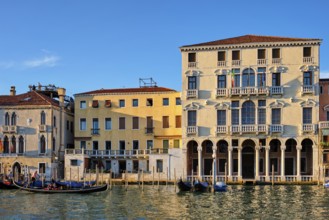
{"points": [[266, 202]]}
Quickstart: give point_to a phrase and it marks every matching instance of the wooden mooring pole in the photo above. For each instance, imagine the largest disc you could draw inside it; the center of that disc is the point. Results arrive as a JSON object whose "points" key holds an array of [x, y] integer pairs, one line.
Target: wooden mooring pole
{"points": [[153, 176], [142, 180], [126, 177], [175, 178], [158, 179], [272, 174], [110, 179]]}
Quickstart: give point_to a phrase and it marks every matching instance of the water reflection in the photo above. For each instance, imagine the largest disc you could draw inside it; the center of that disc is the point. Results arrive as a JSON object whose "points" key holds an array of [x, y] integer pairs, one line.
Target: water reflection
{"points": [[281, 202]]}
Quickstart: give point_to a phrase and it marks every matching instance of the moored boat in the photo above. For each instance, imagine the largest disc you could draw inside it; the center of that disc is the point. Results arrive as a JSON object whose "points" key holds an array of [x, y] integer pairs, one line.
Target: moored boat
{"points": [[326, 184], [220, 187], [75, 184], [200, 186], [184, 186]]}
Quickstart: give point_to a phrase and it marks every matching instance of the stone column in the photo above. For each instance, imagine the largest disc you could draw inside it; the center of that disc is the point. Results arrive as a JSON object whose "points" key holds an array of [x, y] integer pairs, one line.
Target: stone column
{"points": [[240, 163], [214, 168], [298, 148], [283, 149], [230, 163], [257, 148], [267, 163], [199, 162]]}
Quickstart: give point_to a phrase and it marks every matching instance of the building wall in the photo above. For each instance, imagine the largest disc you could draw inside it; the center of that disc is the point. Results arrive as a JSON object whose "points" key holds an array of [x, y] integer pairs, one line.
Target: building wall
{"points": [[324, 100]]}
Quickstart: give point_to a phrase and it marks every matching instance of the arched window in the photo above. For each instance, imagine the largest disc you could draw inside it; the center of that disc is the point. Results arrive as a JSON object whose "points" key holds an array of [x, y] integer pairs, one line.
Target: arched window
{"points": [[13, 145], [54, 122], [42, 145], [6, 145], [248, 113], [54, 144], [248, 78], [7, 119], [43, 118], [21, 145], [13, 118]]}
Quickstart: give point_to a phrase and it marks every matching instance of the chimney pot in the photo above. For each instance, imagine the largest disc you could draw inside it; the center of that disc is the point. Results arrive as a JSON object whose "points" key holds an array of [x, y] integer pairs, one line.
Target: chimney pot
{"points": [[12, 91]]}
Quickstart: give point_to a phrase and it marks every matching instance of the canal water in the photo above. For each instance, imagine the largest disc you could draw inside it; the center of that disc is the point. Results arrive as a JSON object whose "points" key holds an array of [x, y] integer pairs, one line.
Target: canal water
{"points": [[260, 202]]}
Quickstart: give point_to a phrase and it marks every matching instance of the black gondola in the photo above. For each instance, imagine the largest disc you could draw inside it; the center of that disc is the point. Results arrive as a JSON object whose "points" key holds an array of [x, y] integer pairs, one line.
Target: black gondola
{"points": [[7, 184], [58, 190], [201, 186], [184, 186]]}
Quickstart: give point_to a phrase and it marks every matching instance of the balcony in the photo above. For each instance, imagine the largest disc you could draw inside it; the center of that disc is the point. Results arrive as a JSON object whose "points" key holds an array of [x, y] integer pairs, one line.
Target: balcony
{"points": [[276, 129], [247, 91], [324, 124], [221, 63], [236, 62], [192, 64], [261, 62], [149, 130], [192, 130], [221, 129], [245, 129], [221, 92], [192, 93], [308, 60], [9, 129], [308, 89], [276, 61], [42, 128], [118, 153], [309, 128], [94, 131], [276, 90]]}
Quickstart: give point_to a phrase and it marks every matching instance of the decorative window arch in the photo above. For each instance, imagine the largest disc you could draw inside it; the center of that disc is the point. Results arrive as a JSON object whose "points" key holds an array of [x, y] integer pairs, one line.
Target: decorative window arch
{"points": [[42, 144], [6, 145], [308, 103], [21, 145], [7, 119], [192, 106], [222, 106], [13, 144], [277, 104], [13, 118], [248, 77], [248, 113], [43, 118]]}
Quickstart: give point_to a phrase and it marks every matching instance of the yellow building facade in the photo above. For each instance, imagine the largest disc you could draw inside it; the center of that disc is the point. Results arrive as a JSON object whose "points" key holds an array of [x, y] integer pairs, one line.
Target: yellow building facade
{"points": [[250, 107], [128, 129]]}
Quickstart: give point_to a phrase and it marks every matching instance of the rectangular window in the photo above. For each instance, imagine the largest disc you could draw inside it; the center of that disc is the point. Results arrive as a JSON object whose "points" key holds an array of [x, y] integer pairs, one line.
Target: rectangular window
{"points": [[74, 162], [122, 123], [221, 165], [108, 145], [95, 123], [122, 146], [235, 165], [178, 121], [235, 116], [261, 76], [108, 123], [235, 104], [276, 53], [191, 57], [221, 56], [149, 102], [149, 144], [95, 104], [321, 91], [327, 115], [274, 162], [165, 144], [165, 101], [149, 125], [176, 143], [236, 77], [221, 117], [221, 81], [235, 142], [135, 103], [165, 121], [67, 125], [191, 118], [307, 115], [159, 166], [192, 82], [178, 101], [83, 144], [83, 124], [135, 145], [307, 52], [276, 79], [307, 78], [261, 116], [276, 116], [42, 167], [95, 145], [108, 103], [122, 103], [261, 165], [261, 54], [236, 55], [135, 122], [303, 165], [83, 104]]}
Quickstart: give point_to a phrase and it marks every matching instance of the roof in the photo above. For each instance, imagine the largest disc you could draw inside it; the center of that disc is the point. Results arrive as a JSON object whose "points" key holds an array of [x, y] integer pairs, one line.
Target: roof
{"points": [[324, 80], [128, 90], [251, 39], [30, 98]]}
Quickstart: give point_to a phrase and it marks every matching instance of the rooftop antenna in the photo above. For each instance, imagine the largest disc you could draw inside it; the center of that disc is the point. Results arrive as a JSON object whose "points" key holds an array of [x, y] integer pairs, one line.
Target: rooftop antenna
{"points": [[147, 82]]}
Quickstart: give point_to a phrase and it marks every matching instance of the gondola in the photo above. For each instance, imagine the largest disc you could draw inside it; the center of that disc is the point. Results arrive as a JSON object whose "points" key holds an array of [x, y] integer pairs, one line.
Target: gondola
{"points": [[7, 184], [59, 190], [200, 186], [184, 186], [220, 187], [75, 184], [326, 184]]}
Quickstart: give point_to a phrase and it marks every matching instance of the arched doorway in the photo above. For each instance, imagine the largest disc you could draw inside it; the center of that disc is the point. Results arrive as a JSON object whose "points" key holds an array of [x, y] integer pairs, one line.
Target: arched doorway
{"points": [[192, 157], [290, 157], [306, 160], [248, 159], [207, 157], [222, 155], [16, 170]]}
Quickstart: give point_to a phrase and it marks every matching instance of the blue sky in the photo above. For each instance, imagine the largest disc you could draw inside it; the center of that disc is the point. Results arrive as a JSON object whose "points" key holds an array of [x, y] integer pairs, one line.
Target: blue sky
{"points": [[88, 45]]}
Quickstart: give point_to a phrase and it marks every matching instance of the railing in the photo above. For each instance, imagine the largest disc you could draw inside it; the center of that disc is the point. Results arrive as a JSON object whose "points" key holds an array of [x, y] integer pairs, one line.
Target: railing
{"points": [[192, 64], [95, 131], [221, 129], [324, 124], [262, 90], [235, 129], [307, 178], [42, 128], [117, 153], [276, 90], [221, 63], [308, 60], [276, 178], [149, 130], [248, 129], [290, 178], [308, 127], [276, 128], [236, 62], [221, 92], [10, 154], [235, 91], [308, 89], [249, 91], [192, 93], [276, 61], [261, 62], [192, 130], [261, 128]]}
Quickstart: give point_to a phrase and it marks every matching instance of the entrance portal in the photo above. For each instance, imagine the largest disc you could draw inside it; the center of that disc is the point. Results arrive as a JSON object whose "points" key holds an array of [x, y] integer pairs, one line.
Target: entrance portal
{"points": [[248, 163]]}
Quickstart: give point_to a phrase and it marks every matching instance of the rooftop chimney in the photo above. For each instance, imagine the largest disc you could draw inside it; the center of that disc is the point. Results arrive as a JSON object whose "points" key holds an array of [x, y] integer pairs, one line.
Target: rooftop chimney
{"points": [[12, 91], [61, 94]]}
